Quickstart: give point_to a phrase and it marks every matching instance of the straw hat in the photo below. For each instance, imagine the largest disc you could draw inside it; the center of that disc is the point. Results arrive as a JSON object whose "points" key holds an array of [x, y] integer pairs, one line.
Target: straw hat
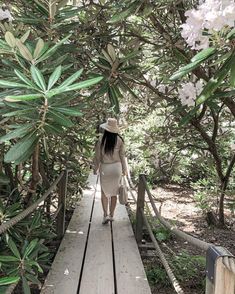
{"points": [[110, 126]]}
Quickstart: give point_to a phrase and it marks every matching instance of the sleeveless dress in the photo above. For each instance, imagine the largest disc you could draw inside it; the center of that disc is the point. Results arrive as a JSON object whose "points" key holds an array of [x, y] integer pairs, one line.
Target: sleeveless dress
{"points": [[110, 167]]}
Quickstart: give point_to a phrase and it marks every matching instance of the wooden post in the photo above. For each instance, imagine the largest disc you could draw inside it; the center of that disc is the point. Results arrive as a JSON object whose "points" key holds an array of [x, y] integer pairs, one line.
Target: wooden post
{"points": [[62, 191], [220, 278], [140, 205], [224, 278]]}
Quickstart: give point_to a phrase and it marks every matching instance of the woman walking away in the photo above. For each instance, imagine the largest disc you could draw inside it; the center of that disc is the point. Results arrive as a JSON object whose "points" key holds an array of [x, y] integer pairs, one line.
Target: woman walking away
{"points": [[110, 162]]}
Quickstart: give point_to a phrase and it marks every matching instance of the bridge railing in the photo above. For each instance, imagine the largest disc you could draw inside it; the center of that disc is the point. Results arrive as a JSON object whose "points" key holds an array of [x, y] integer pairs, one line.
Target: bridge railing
{"points": [[220, 263], [59, 215]]}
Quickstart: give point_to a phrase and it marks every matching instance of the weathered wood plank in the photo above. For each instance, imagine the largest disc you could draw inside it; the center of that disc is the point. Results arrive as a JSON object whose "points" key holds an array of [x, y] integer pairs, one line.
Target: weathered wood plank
{"points": [[64, 274], [97, 277], [130, 274]]}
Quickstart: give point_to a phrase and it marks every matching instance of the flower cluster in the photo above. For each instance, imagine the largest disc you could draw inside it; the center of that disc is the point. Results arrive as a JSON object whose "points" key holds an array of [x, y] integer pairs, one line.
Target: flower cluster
{"points": [[209, 17], [5, 14], [189, 92]]}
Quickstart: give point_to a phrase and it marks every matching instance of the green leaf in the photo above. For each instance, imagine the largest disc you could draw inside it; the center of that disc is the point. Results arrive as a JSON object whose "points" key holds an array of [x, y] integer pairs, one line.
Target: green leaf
{"points": [[24, 79], [25, 284], [22, 149], [30, 248], [9, 84], [71, 111], [84, 84], [6, 258], [18, 133], [24, 51], [71, 79], [32, 279], [215, 81], [10, 39], [19, 112], [23, 97], [54, 77], [232, 74], [52, 50], [188, 117], [38, 77], [9, 280], [25, 36], [13, 248], [38, 49], [124, 14], [184, 70], [60, 119], [204, 54]]}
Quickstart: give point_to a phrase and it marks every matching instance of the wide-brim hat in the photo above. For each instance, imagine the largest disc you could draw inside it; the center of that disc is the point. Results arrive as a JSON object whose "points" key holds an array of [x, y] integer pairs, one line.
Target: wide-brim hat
{"points": [[110, 126]]}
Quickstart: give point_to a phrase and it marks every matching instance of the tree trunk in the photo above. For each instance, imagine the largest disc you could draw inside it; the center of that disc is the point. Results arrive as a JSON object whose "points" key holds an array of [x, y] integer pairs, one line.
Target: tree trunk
{"points": [[35, 175]]}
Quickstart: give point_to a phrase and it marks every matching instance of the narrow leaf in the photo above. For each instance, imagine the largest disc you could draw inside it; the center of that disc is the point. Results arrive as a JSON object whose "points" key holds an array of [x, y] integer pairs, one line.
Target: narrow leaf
{"points": [[24, 51], [10, 39], [30, 248], [24, 79], [71, 79], [13, 248], [38, 77], [53, 49], [215, 81], [21, 148], [25, 36], [23, 97], [18, 133], [60, 119], [204, 54], [25, 284], [84, 84], [71, 111], [38, 49], [9, 280], [9, 84], [54, 77]]}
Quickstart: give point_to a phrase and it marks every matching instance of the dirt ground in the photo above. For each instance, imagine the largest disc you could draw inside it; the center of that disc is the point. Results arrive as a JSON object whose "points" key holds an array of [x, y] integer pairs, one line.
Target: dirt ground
{"points": [[177, 205]]}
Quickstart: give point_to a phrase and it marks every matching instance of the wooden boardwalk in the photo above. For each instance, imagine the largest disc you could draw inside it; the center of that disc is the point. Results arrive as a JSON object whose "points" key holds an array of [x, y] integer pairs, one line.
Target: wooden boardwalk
{"points": [[95, 258]]}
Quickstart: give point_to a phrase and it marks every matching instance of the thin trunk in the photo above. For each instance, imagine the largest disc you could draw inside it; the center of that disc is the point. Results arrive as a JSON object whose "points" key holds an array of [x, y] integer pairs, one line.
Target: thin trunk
{"points": [[224, 186], [35, 175]]}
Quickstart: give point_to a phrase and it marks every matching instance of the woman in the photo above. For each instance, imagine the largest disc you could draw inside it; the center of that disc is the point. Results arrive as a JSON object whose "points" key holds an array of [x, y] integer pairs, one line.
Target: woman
{"points": [[110, 161]]}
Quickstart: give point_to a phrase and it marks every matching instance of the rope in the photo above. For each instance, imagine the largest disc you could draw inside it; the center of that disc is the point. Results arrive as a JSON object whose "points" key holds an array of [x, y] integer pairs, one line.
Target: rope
{"points": [[11, 288], [170, 274], [7, 225], [194, 241]]}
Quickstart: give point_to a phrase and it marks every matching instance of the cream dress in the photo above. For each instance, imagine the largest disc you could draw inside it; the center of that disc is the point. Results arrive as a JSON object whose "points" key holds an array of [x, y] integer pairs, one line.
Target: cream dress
{"points": [[111, 167]]}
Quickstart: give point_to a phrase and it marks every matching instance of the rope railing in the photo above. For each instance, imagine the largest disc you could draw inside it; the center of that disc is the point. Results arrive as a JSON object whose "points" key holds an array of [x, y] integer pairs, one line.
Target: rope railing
{"points": [[10, 223], [220, 267], [192, 240], [61, 182], [170, 273]]}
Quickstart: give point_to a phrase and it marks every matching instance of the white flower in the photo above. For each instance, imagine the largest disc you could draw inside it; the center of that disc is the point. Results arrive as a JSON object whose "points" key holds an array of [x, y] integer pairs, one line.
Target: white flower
{"points": [[232, 146], [189, 92], [5, 14], [210, 16], [162, 88]]}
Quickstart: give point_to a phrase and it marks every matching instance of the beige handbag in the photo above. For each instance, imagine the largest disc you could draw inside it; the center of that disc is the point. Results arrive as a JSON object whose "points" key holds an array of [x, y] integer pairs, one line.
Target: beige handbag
{"points": [[123, 192]]}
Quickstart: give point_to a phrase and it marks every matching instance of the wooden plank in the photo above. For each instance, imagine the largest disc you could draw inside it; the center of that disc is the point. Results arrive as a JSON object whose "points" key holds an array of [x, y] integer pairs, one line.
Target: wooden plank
{"points": [[97, 277], [64, 274], [224, 279], [130, 273]]}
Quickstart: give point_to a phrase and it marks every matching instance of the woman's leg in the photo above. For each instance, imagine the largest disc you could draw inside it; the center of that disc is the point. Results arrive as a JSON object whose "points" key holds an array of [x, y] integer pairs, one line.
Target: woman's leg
{"points": [[105, 202], [113, 205]]}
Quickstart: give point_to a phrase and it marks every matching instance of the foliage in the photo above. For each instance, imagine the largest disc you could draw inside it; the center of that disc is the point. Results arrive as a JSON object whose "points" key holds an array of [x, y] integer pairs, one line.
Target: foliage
{"points": [[185, 267]]}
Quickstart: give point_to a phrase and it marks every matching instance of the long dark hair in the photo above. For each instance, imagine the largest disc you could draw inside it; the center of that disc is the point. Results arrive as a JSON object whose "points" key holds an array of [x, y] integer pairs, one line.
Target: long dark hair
{"points": [[109, 141]]}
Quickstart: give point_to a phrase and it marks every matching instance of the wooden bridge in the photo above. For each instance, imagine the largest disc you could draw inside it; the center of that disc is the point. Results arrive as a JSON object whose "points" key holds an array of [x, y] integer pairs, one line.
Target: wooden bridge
{"points": [[95, 258]]}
